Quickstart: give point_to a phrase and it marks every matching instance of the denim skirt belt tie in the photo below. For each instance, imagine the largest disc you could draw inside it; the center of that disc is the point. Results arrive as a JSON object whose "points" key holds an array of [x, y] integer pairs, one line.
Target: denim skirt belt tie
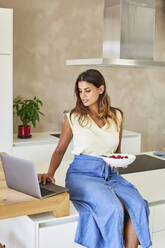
{"points": [[97, 192]]}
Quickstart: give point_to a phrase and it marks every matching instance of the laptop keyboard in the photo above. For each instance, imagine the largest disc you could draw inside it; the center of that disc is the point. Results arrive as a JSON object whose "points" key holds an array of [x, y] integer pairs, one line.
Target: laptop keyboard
{"points": [[45, 192]]}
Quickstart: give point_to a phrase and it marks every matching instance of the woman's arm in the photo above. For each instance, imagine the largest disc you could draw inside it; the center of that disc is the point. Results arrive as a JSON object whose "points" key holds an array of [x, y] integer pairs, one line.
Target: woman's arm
{"points": [[65, 138], [118, 150], [119, 146]]}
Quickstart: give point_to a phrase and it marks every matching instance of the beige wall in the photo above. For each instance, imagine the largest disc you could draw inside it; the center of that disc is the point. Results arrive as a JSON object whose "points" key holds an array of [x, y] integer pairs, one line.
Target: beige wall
{"points": [[46, 33]]}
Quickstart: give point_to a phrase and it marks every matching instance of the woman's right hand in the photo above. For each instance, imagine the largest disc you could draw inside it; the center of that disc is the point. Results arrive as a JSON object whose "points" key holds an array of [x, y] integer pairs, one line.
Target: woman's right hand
{"points": [[46, 177]]}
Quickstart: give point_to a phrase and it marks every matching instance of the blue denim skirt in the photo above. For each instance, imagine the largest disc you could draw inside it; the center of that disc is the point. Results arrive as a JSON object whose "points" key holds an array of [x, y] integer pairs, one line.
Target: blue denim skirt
{"points": [[97, 191]]}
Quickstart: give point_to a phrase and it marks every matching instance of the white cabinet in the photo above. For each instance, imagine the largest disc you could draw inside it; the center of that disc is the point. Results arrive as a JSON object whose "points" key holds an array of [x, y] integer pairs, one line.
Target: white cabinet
{"points": [[158, 240], [6, 127], [131, 142], [6, 31], [40, 154], [6, 74], [39, 231], [18, 232], [159, 218], [158, 226], [58, 235]]}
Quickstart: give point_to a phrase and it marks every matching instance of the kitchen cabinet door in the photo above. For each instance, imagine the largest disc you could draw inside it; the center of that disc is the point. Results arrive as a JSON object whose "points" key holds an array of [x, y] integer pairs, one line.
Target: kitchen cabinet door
{"points": [[6, 97], [159, 218], [19, 232], [6, 31], [158, 240], [131, 144], [59, 235]]}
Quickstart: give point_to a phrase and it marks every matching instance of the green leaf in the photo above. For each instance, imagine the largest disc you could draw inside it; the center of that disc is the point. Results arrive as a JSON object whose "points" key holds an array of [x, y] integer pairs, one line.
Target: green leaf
{"points": [[28, 110]]}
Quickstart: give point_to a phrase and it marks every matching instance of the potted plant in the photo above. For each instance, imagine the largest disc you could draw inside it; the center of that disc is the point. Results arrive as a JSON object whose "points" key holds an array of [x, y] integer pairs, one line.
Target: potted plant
{"points": [[28, 110]]}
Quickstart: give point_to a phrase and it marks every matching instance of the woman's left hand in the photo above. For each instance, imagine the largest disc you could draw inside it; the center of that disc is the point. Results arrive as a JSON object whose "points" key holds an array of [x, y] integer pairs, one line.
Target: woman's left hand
{"points": [[118, 167]]}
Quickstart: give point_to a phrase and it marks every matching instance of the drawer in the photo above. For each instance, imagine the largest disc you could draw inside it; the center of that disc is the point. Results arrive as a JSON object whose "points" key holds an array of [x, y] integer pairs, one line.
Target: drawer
{"points": [[158, 240], [58, 235], [158, 218]]}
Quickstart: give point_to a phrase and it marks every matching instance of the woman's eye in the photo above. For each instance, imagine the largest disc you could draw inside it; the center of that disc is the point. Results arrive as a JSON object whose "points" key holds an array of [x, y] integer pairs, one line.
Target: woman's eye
{"points": [[86, 91]]}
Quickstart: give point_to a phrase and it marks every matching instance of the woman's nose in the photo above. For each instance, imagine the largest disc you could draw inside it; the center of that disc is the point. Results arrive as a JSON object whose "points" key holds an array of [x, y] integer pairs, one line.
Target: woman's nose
{"points": [[83, 94]]}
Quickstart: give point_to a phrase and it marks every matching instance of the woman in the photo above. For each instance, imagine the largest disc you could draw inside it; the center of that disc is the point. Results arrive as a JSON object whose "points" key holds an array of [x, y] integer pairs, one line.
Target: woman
{"points": [[112, 213]]}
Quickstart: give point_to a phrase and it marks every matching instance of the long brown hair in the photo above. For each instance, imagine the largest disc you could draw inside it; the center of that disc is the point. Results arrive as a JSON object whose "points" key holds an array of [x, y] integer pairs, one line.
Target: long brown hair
{"points": [[105, 109]]}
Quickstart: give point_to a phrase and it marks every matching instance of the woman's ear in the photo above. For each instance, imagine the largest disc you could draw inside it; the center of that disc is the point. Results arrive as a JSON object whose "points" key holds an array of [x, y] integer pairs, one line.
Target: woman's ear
{"points": [[101, 89]]}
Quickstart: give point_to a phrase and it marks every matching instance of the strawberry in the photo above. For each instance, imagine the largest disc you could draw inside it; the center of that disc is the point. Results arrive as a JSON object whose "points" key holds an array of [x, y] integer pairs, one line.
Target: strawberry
{"points": [[118, 156]]}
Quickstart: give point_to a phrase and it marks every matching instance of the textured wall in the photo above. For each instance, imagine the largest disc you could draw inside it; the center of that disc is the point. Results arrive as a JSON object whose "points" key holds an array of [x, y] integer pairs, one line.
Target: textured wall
{"points": [[46, 33]]}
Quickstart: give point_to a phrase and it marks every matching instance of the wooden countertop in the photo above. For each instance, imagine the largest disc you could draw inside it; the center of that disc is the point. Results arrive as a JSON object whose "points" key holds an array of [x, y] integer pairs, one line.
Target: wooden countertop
{"points": [[14, 203]]}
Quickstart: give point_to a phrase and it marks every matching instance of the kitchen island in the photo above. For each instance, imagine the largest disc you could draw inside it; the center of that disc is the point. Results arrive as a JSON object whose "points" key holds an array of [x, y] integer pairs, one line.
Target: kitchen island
{"points": [[44, 230], [150, 183]]}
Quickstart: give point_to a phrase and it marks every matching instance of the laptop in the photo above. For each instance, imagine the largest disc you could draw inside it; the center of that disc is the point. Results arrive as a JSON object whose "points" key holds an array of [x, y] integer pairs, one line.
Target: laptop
{"points": [[21, 175]]}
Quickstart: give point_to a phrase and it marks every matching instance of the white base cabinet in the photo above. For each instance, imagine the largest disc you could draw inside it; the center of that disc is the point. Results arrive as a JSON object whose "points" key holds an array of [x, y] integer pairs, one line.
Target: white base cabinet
{"points": [[131, 142], [39, 231], [59, 235], [158, 228], [18, 232], [158, 239]]}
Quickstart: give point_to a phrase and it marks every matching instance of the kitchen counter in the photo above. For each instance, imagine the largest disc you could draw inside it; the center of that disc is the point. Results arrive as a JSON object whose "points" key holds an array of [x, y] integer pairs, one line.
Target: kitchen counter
{"points": [[36, 139], [46, 137], [144, 162]]}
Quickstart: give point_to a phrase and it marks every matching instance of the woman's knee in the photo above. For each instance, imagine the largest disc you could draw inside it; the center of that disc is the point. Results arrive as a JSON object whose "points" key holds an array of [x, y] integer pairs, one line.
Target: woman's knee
{"points": [[141, 204], [141, 207]]}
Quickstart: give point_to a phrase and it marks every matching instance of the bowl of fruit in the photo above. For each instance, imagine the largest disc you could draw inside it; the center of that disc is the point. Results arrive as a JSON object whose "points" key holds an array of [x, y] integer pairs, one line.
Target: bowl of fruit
{"points": [[119, 159]]}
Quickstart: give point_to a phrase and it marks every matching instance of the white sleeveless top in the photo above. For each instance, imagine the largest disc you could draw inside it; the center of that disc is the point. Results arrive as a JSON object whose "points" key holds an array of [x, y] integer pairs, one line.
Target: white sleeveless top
{"points": [[93, 140]]}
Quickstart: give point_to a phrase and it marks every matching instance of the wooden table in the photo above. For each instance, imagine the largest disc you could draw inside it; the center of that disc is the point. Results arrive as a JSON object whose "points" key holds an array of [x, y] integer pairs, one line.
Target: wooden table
{"points": [[14, 203]]}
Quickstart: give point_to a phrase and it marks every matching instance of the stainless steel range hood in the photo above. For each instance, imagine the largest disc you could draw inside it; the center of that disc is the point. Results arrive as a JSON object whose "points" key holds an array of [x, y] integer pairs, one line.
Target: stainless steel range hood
{"points": [[129, 35]]}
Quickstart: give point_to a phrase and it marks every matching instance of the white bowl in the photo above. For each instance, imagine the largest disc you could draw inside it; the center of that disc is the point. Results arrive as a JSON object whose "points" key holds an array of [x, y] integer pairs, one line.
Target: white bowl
{"points": [[119, 162]]}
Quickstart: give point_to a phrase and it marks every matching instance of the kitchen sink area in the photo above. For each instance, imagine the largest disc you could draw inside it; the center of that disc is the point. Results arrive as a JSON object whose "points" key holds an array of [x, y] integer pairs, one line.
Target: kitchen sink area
{"points": [[56, 135]]}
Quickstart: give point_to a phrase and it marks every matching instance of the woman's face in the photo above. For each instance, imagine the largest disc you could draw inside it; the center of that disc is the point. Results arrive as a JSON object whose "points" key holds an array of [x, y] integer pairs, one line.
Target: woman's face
{"points": [[89, 94]]}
